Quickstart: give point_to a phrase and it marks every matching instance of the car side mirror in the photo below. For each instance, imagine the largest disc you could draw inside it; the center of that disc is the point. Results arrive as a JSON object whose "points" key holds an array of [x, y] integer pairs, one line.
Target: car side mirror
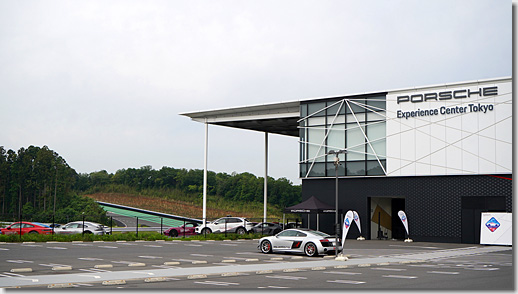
{"points": [[215, 223]]}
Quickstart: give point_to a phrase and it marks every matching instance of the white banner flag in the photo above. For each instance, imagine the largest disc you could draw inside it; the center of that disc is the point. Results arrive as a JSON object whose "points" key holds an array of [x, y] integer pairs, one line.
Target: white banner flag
{"points": [[347, 224], [356, 217], [403, 218]]}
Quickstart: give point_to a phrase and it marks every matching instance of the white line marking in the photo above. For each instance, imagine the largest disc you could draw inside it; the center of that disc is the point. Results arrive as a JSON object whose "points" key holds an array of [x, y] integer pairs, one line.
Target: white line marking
{"points": [[347, 282], [60, 248], [217, 283], [95, 277], [343, 273], [286, 277], [443, 273], [94, 270], [12, 275], [109, 247], [389, 269], [202, 255], [400, 277], [89, 258], [20, 261], [151, 257]]}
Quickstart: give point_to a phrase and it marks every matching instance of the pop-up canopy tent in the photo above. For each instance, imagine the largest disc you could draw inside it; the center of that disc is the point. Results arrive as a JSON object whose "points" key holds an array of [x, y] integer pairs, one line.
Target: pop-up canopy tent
{"points": [[311, 205]]}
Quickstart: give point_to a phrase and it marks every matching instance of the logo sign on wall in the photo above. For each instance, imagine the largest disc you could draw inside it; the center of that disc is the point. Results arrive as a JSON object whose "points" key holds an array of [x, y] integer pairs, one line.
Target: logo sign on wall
{"points": [[496, 228], [492, 224]]}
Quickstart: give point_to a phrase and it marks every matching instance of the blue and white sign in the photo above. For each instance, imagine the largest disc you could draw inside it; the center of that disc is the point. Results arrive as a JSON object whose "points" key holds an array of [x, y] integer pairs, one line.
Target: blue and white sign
{"points": [[496, 228]]}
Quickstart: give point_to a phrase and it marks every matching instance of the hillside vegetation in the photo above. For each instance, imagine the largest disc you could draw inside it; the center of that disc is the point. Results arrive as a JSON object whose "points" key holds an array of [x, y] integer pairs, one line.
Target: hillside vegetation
{"points": [[36, 181]]}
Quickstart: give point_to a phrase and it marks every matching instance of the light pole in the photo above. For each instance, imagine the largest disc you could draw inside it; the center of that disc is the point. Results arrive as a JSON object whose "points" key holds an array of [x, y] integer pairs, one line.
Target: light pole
{"points": [[336, 163]]}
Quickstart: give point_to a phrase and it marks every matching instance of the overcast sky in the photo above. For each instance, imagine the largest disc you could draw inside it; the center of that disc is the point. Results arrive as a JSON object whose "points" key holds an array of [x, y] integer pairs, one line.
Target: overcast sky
{"points": [[103, 82]]}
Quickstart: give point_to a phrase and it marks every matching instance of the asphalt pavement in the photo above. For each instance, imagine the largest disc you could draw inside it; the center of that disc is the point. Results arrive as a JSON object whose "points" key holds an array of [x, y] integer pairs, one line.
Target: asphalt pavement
{"points": [[370, 264]]}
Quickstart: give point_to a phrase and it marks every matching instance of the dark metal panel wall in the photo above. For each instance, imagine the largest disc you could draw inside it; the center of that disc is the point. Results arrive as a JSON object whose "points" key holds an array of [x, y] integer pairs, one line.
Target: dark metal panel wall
{"points": [[433, 203]]}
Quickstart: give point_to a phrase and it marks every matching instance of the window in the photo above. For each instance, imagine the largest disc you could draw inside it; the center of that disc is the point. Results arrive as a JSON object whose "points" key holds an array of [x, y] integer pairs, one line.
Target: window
{"points": [[355, 124]]}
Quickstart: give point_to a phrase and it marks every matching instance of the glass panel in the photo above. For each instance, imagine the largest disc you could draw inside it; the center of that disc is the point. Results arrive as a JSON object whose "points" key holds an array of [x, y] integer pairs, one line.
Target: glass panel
{"points": [[372, 116], [303, 110], [374, 169], [318, 170], [355, 143], [378, 102], [303, 170], [315, 139], [354, 107], [331, 111], [331, 168], [356, 168], [315, 109], [339, 120], [336, 138], [376, 134], [359, 116], [316, 121]]}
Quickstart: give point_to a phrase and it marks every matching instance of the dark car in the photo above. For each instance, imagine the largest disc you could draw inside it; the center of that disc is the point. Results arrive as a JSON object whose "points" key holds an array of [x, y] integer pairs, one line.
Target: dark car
{"points": [[267, 228], [185, 230]]}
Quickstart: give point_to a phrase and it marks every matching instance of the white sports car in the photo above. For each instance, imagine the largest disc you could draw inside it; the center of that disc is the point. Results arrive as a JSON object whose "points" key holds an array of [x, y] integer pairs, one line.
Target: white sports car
{"points": [[309, 242]]}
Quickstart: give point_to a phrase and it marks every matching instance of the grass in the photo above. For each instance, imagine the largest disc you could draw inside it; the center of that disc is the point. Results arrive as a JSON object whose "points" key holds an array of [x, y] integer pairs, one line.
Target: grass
{"points": [[216, 206], [126, 236]]}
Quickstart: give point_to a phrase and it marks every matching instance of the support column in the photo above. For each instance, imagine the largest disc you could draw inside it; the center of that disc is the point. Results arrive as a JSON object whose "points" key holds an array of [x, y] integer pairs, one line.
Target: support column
{"points": [[265, 174], [205, 160]]}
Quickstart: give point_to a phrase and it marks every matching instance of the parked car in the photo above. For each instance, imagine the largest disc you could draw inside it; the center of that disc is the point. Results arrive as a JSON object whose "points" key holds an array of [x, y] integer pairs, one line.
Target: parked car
{"points": [[185, 230], [27, 228], [77, 228], [267, 228], [309, 242], [227, 224]]}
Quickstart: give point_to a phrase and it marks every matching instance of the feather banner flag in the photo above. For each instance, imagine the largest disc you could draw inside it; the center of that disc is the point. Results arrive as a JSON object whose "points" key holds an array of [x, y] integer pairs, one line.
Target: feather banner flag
{"points": [[403, 218], [349, 217]]}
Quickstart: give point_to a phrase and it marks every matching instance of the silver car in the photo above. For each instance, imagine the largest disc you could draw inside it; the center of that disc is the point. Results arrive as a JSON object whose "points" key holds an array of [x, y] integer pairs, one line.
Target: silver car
{"points": [[309, 242], [77, 228]]}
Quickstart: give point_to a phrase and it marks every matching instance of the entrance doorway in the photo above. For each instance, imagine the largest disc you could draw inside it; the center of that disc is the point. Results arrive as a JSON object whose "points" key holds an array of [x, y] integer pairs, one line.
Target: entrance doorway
{"points": [[384, 219]]}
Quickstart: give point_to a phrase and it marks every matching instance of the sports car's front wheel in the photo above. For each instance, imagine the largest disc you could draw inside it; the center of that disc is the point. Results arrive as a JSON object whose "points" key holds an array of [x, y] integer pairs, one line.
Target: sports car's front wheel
{"points": [[266, 246], [310, 249]]}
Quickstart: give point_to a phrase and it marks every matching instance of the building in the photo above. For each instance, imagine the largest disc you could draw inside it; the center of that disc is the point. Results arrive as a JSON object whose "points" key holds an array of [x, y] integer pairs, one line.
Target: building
{"points": [[441, 153]]}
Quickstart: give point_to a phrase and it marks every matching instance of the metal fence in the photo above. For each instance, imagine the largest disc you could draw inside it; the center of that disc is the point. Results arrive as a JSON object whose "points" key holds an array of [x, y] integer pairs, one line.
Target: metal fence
{"points": [[146, 223]]}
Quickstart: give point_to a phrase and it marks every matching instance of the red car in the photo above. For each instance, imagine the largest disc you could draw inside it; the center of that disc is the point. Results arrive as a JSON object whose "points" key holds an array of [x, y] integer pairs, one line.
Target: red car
{"points": [[27, 228], [185, 230]]}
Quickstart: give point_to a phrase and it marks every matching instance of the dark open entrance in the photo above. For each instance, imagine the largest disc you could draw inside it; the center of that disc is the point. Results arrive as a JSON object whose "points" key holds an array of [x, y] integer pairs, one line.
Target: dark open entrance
{"points": [[472, 207], [384, 219]]}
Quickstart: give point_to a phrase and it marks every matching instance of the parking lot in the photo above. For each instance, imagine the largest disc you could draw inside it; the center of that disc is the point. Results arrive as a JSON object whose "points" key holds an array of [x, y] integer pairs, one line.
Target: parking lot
{"points": [[371, 264]]}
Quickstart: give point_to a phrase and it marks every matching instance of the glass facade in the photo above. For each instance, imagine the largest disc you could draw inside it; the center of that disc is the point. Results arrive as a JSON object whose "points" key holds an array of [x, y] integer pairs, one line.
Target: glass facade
{"points": [[356, 125]]}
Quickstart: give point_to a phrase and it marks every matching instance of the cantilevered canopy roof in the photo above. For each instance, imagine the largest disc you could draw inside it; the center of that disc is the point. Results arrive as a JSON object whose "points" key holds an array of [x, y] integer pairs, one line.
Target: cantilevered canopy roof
{"points": [[277, 118]]}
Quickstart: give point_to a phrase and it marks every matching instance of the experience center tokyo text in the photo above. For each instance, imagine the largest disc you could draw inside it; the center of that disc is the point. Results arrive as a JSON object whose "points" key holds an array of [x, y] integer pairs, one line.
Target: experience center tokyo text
{"points": [[446, 110]]}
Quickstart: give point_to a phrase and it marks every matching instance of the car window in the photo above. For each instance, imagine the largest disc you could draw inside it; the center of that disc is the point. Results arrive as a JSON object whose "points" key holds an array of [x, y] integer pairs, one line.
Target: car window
{"points": [[189, 225], [15, 226], [288, 233], [27, 226], [220, 221], [300, 234]]}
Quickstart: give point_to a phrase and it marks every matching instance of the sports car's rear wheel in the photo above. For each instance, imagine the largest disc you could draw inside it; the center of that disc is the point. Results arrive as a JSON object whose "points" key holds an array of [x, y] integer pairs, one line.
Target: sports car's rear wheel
{"points": [[310, 249], [266, 246], [206, 231]]}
